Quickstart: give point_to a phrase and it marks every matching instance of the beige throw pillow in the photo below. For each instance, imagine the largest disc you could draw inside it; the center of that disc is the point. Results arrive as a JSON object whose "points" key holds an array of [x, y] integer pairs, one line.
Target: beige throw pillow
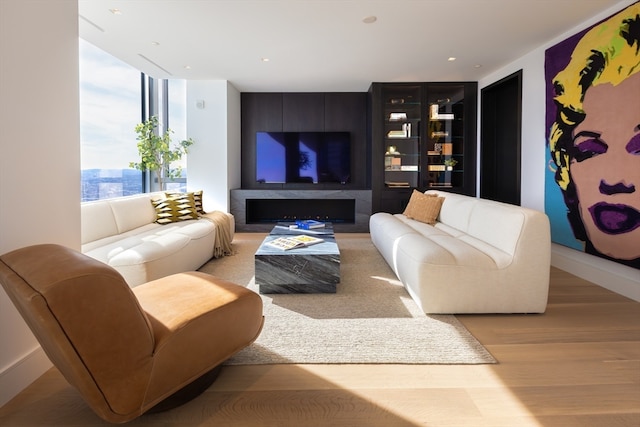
{"points": [[416, 196], [424, 207]]}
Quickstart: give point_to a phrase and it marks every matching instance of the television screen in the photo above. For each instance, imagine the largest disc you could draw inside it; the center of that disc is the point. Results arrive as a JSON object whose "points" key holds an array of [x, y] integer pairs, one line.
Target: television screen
{"points": [[303, 157]]}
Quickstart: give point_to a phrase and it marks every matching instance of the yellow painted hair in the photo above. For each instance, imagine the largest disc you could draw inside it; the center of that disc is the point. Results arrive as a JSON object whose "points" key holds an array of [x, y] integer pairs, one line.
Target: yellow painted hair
{"points": [[620, 60]]}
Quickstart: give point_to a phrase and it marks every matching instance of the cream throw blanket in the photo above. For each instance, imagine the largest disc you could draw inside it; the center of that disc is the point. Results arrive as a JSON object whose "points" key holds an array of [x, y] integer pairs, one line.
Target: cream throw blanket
{"points": [[221, 220]]}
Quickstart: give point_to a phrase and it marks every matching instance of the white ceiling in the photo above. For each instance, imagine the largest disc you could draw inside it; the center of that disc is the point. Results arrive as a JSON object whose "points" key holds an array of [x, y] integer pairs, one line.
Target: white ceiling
{"points": [[324, 45]]}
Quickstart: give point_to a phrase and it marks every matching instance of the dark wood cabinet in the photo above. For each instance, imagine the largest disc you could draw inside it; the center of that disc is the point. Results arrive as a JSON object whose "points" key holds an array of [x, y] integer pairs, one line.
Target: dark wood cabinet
{"points": [[423, 136]]}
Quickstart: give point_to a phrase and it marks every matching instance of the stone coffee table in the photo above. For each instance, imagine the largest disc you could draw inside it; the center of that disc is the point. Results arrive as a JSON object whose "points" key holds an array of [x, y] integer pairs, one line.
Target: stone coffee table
{"points": [[312, 269]]}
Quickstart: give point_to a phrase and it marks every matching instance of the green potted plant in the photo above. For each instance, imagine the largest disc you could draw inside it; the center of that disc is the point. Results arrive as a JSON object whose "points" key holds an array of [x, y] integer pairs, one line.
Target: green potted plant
{"points": [[157, 153], [450, 163]]}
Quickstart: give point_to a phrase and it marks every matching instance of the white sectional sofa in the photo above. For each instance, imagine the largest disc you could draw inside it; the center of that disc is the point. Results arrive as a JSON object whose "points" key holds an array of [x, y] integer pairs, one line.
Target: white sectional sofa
{"points": [[122, 233], [480, 256]]}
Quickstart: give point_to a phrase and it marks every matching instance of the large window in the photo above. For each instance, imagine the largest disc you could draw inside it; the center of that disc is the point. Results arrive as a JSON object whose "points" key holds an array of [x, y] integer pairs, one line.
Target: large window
{"points": [[110, 97], [114, 98]]}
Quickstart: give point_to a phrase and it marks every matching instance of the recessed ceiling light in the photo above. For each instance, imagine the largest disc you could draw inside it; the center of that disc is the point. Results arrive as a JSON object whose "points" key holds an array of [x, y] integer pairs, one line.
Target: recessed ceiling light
{"points": [[115, 11], [477, 66], [369, 19], [451, 58], [264, 59], [155, 43], [187, 67]]}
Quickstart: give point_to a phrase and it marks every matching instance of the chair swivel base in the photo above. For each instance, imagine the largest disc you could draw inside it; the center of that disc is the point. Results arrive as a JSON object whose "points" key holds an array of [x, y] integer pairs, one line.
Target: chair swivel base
{"points": [[188, 392]]}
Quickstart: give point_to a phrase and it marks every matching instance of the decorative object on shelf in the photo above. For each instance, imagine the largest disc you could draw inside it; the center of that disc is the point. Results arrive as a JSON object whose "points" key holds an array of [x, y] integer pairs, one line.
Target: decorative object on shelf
{"points": [[447, 148], [156, 152], [435, 114], [450, 163], [437, 147], [397, 100], [393, 150], [406, 127], [433, 111]]}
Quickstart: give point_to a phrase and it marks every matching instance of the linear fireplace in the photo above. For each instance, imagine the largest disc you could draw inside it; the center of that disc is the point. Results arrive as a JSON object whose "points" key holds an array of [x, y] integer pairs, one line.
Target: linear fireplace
{"points": [[260, 211]]}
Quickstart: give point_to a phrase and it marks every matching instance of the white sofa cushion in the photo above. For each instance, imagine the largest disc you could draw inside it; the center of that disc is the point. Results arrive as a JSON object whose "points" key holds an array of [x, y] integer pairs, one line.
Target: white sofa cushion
{"points": [[154, 250], [97, 221], [498, 224], [456, 210], [133, 212]]}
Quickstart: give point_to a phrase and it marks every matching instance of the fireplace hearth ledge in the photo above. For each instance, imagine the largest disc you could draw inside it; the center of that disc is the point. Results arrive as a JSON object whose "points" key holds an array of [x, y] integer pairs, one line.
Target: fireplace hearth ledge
{"points": [[362, 200]]}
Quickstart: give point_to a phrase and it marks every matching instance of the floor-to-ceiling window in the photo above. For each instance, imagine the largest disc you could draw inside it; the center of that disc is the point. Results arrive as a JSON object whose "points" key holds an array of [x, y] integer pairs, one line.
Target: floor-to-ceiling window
{"points": [[114, 98], [110, 98]]}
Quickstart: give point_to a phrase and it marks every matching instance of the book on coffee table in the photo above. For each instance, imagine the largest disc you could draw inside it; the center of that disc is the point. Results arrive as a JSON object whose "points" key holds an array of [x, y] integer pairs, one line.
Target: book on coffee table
{"points": [[307, 224], [292, 242]]}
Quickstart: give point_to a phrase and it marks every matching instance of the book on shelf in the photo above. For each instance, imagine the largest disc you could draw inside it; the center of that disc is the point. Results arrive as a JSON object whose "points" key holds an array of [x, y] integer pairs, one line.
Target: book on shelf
{"points": [[443, 116], [437, 134], [293, 242], [307, 224], [397, 184], [394, 117], [437, 168], [392, 164], [397, 134], [409, 168]]}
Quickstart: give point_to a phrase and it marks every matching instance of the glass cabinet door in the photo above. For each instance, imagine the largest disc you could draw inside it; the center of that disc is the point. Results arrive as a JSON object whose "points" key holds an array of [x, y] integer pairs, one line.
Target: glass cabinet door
{"points": [[445, 149], [402, 149]]}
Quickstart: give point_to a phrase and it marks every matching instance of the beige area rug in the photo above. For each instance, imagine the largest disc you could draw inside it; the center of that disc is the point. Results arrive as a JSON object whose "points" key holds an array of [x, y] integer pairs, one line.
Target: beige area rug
{"points": [[371, 318]]}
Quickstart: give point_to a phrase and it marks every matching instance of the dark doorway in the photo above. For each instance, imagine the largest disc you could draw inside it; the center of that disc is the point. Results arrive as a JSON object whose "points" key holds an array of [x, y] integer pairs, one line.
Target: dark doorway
{"points": [[501, 121]]}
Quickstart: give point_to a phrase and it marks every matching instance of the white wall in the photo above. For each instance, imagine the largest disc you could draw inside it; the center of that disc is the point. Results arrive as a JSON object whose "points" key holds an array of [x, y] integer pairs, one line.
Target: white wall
{"points": [[619, 278], [213, 121], [40, 160]]}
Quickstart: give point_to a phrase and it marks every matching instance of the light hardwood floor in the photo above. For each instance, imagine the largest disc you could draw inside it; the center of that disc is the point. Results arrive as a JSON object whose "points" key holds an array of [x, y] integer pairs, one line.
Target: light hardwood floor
{"points": [[576, 365]]}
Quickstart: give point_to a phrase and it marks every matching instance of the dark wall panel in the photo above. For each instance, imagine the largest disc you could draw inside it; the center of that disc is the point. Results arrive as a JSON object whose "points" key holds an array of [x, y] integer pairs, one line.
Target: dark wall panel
{"points": [[302, 112], [306, 112]]}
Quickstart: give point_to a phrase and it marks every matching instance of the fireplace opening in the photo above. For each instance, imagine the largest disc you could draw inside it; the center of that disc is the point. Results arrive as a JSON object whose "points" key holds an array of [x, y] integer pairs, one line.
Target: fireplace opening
{"points": [[260, 211]]}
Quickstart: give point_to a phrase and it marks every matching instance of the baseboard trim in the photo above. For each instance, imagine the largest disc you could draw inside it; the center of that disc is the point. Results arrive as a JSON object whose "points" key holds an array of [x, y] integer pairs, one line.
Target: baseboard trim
{"points": [[618, 278], [19, 375]]}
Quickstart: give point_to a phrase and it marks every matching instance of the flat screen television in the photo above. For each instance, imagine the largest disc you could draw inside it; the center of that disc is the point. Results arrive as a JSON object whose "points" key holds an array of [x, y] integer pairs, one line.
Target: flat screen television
{"points": [[303, 157]]}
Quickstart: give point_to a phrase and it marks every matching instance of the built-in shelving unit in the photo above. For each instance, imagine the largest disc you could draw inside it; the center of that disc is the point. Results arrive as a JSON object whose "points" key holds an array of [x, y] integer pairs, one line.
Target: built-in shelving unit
{"points": [[423, 137]]}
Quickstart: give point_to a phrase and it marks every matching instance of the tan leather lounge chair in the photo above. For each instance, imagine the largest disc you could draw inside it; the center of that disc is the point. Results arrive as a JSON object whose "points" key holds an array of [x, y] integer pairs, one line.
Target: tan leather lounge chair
{"points": [[128, 351]]}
